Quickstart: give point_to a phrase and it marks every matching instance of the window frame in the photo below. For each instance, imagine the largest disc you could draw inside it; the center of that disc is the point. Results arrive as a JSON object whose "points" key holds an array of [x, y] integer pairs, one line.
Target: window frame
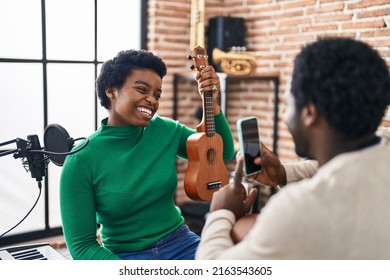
{"points": [[49, 231]]}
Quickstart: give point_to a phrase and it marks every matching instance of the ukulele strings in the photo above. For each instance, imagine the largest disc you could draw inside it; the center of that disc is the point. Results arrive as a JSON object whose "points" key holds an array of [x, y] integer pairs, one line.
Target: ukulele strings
{"points": [[210, 125]]}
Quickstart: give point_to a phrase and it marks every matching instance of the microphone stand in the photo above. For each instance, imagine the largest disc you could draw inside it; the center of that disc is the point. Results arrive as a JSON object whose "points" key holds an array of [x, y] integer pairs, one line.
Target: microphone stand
{"points": [[35, 162], [7, 143]]}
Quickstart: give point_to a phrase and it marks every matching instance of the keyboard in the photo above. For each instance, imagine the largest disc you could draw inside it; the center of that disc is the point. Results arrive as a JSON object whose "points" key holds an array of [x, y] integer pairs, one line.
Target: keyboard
{"points": [[31, 252]]}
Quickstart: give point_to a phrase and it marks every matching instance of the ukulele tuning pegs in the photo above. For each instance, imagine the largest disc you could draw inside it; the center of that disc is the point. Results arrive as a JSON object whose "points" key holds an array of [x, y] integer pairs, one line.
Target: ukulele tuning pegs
{"points": [[189, 57], [192, 67]]}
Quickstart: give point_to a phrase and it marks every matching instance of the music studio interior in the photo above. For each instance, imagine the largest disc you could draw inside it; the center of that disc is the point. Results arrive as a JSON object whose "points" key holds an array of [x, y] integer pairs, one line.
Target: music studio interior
{"points": [[52, 51]]}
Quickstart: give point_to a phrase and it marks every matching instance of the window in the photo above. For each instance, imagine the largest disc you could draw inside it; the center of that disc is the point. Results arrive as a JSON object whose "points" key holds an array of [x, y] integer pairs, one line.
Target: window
{"points": [[50, 54]]}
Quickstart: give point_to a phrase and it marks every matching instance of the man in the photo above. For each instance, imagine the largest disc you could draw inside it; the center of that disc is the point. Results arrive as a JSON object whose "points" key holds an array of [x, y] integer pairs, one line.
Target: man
{"points": [[340, 89]]}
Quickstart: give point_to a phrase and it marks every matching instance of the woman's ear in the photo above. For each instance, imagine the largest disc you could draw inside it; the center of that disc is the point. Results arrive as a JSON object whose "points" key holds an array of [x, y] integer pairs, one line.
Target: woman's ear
{"points": [[309, 114], [110, 92]]}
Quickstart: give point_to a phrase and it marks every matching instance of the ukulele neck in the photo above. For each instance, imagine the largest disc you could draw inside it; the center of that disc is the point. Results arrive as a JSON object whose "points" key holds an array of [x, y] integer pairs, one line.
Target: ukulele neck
{"points": [[208, 114]]}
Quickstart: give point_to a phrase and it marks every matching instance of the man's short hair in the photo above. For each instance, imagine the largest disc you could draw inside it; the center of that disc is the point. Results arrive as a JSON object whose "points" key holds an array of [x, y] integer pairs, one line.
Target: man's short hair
{"points": [[346, 80]]}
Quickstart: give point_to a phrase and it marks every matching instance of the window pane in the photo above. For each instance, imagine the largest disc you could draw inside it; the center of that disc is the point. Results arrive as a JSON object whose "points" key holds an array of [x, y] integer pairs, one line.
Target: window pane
{"points": [[22, 100], [70, 29], [71, 93], [54, 173], [22, 112], [22, 115], [101, 111], [71, 101], [20, 29], [18, 192], [119, 27]]}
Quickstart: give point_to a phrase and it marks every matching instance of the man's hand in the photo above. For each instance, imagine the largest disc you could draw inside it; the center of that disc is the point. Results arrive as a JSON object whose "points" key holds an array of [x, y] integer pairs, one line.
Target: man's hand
{"points": [[273, 172], [233, 196]]}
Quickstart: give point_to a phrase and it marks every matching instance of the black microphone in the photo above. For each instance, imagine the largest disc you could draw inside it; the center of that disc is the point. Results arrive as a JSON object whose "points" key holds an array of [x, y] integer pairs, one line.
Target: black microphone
{"points": [[32, 156], [36, 161]]}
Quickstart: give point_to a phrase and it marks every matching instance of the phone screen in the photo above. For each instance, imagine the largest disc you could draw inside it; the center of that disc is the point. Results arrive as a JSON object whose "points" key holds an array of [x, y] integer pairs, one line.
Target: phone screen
{"points": [[250, 144]]}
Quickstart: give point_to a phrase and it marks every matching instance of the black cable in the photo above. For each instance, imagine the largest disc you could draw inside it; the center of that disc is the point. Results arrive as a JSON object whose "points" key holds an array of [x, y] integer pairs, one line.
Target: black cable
{"points": [[63, 154], [26, 163], [39, 195]]}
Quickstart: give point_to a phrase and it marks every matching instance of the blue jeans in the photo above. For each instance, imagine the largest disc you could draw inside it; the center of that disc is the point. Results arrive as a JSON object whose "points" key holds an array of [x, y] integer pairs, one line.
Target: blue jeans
{"points": [[181, 244]]}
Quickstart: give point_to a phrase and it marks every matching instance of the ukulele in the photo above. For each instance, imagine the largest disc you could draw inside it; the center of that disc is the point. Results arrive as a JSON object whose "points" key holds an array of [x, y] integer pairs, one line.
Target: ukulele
{"points": [[206, 171]]}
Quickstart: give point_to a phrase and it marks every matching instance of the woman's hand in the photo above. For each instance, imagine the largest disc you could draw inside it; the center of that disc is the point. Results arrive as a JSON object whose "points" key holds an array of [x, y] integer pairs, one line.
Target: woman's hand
{"points": [[208, 81]]}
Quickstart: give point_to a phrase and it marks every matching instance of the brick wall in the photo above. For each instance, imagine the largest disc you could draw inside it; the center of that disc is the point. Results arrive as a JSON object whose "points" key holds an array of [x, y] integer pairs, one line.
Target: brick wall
{"points": [[275, 32]]}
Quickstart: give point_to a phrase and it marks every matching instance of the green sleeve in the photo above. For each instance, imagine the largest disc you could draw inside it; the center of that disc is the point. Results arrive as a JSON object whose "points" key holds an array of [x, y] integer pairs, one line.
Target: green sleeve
{"points": [[77, 202], [223, 129]]}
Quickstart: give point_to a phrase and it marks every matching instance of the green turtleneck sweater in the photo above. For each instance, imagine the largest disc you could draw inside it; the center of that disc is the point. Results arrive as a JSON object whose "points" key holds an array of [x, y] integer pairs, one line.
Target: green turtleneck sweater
{"points": [[125, 180]]}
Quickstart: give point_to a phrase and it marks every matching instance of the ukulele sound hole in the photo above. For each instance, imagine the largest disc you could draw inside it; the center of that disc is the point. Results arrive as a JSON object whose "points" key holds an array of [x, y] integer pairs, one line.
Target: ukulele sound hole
{"points": [[211, 155], [214, 185]]}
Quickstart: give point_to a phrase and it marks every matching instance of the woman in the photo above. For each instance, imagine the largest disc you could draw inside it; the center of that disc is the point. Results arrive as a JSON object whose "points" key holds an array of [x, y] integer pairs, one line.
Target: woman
{"points": [[125, 178]]}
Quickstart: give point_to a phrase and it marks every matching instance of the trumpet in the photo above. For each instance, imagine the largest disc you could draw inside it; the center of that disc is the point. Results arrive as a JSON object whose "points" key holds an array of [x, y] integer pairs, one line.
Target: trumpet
{"points": [[234, 62]]}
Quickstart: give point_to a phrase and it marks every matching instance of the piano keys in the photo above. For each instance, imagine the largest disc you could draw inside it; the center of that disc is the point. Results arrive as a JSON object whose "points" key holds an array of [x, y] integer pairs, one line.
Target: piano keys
{"points": [[31, 252]]}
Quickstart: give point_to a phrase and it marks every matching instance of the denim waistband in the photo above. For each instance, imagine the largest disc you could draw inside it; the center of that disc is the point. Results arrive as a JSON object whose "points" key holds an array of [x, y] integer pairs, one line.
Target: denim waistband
{"points": [[180, 231]]}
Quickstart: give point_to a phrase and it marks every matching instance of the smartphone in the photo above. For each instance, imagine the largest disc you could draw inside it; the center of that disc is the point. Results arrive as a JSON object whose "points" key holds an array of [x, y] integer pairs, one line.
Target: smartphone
{"points": [[250, 147]]}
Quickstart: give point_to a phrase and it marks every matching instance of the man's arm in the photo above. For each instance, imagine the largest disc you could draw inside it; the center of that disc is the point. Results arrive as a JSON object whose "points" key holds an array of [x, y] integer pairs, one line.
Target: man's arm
{"points": [[300, 170], [228, 204], [275, 173]]}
